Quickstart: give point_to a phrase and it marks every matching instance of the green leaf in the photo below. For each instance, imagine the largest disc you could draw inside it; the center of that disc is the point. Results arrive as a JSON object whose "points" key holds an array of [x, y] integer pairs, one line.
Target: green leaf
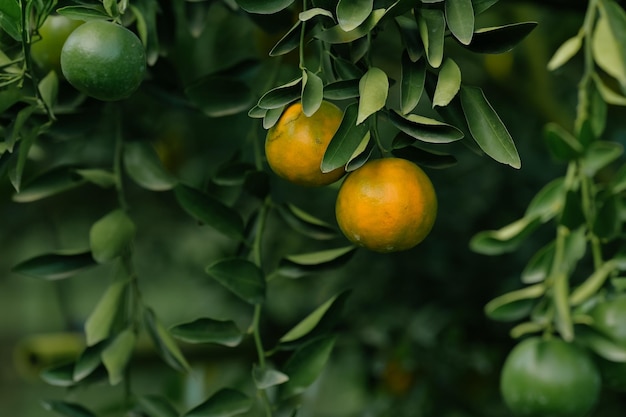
{"points": [[289, 41], [226, 402], [308, 323], [143, 165], [218, 96], [296, 266], [413, 77], [592, 284], [423, 157], [411, 37], [482, 5], [241, 277], [49, 88], [305, 365], [272, 116], [448, 83], [99, 323], [281, 95], [314, 12], [164, 343], [487, 128], [265, 378], [500, 39], [336, 34], [264, 6], [11, 18], [50, 183], [312, 92], [156, 406], [206, 330], [100, 177], [607, 94], [608, 221], [210, 211], [111, 236], [432, 26], [342, 90], [609, 41], [538, 267], [305, 223], [460, 18], [601, 345], [88, 361], [514, 305], [566, 51], [116, 355], [59, 375], [425, 129], [67, 409], [506, 239], [373, 90], [563, 146], [345, 141], [56, 265], [87, 12], [352, 13], [548, 202], [599, 155]]}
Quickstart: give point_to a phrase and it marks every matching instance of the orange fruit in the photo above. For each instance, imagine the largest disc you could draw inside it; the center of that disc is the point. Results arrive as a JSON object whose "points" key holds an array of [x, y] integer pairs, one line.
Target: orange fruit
{"points": [[387, 205], [296, 144]]}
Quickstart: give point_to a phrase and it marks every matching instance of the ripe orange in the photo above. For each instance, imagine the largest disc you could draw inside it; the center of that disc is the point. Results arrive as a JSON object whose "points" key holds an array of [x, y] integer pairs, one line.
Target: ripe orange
{"points": [[296, 144], [387, 205]]}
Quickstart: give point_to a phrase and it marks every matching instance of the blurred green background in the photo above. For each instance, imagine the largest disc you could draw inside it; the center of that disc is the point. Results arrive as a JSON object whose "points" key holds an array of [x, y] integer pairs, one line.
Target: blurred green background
{"points": [[413, 340]]}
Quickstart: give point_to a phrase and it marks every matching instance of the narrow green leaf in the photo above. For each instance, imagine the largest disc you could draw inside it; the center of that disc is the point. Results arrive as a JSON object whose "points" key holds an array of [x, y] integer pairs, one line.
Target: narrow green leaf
{"points": [[336, 34], [241, 277], [67, 409], [500, 39], [265, 378], [11, 18], [308, 323], [548, 202], [345, 141], [59, 375], [111, 236], [482, 5], [448, 83], [563, 146], [410, 37], [206, 330], [305, 223], [432, 26], [425, 129], [592, 284], [143, 165], [413, 77], [296, 266], [566, 51], [609, 41], [342, 90], [210, 211], [526, 328], [116, 355], [599, 155], [88, 361], [314, 12], [289, 41], [601, 345], [272, 116], [164, 343], [487, 128], [50, 183], [100, 177], [226, 402], [506, 239], [538, 267], [99, 322], [87, 12], [514, 305], [460, 18], [373, 90], [312, 92], [281, 95], [56, 265], [352, 13], [305, 365], [609, 95], [157, 406], [49, 88]]}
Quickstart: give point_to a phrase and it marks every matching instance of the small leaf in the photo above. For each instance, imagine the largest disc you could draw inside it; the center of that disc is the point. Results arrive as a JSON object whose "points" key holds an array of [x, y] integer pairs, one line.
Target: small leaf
{"points": [[448, 83], [432, 26], [57, 265], [308, 323], [116, 355], [562, 145], [609, 41], [305, 223], [487, 128], [206, 330], [497, 40], [607, 94], [538, 267], [143, 165], [599, 155], [296, 266], [210, 211], [87, 12], [241, 277], [100, 177], [165, 345], [289, 42], [373, 90], [608, 221], [226, 402], [592, 284], [305, 365], [601, 345], [336, 34], [506, 239], [59, 375], [352, 13], [412, 83], [482, 5], [410, 37], [425, 129], [566, 51], [111, 236], [548, 202], [314, 12], [49, 88], [265, 378], [50, 183], [342, 90], [514, 305], [67, 409], [312, 92], [99, 323], [156, 406], [281, 95], [460, 18], [89, 360], [345, 141], [272, 116]]}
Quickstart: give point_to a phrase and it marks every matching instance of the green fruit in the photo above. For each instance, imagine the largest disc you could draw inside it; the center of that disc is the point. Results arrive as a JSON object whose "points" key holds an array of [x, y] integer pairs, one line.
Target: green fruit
{"points": [[46, 52], [549, 378], [609, 317], [104, 60]]}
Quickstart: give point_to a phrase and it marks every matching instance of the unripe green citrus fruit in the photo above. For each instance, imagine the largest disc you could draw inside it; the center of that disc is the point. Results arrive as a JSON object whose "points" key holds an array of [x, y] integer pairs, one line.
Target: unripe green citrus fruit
{"points": [[46, 52], [103, 60]]}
